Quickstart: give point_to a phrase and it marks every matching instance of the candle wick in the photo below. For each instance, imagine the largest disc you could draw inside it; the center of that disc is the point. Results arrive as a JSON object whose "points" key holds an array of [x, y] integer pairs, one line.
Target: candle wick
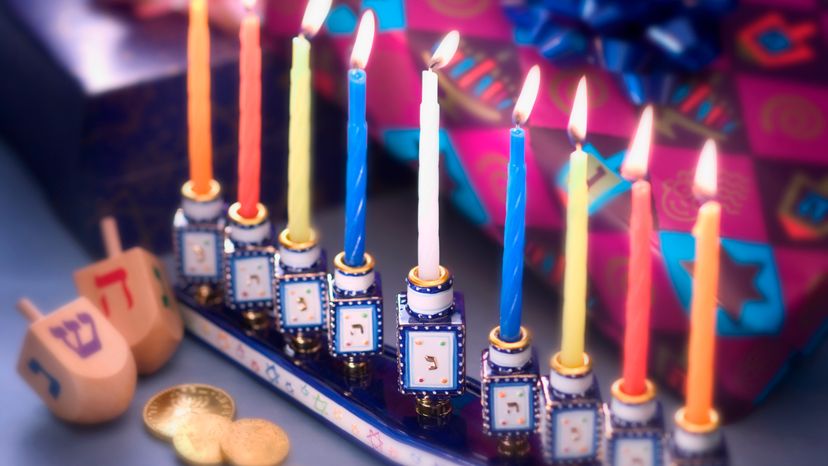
{"points": [[578, 146]]}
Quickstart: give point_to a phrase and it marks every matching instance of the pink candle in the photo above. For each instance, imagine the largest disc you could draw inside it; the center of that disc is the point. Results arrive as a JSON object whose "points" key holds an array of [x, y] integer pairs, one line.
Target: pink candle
{"points": [[639, 275], [250, 118]]}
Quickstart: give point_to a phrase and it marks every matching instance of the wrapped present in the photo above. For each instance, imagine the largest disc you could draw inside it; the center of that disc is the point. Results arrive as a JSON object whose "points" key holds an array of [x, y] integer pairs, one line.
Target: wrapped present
{"points": [[95, 100], [764, 102]]}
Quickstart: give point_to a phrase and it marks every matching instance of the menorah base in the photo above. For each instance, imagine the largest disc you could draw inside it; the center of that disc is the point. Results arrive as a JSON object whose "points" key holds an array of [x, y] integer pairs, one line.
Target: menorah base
{"points": [[374, 415], [305, 344], [255, 320], [513, 446]]}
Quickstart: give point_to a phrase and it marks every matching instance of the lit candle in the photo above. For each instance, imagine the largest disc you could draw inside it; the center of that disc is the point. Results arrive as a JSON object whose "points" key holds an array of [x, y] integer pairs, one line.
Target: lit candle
{"points": [[428, 213], [250, 113], [299, 228], [357, 169], [514, 232], [200, 142], [639, 271], [700, 354], [577, 218]]}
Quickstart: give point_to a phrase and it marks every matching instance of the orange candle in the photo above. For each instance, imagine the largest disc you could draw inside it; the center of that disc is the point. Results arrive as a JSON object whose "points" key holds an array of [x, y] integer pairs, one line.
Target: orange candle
{"points": [[639, 281], [250, 117], [200, 142], [700, 356]]}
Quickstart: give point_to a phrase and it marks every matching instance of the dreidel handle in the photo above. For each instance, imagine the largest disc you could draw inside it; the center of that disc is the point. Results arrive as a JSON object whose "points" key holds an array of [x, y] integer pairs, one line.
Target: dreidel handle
{"points": [[111, 237], [28, 309]]}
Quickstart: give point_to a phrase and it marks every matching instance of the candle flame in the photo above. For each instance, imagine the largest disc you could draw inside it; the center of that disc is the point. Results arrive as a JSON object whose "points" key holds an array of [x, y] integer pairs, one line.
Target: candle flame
{"points": [[704, 185], [364, 40], [445, 51], [577, 127], [249, 4], [315, 14], [526, 99], [638, 155]]}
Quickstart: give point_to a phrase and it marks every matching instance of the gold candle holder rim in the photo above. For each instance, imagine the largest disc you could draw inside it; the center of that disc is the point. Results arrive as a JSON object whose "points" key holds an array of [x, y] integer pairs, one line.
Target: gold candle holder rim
{"points": [[188, 192], [556, 365], [710, 426], [261, 215], [414, 277], [367, 266], [284, 240], [522, 343], [619, 394]]}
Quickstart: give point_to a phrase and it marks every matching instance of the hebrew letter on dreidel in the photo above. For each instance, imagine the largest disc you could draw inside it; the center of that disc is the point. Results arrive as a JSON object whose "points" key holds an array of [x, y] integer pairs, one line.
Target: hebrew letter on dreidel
{"points": [[70, 333], [357, 326], [118, 275], [54, 385], [512, 405]]}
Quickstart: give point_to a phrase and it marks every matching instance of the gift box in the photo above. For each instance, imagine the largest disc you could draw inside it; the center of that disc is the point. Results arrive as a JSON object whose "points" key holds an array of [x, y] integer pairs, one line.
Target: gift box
{"points": [[95, 100], [764, 101]]}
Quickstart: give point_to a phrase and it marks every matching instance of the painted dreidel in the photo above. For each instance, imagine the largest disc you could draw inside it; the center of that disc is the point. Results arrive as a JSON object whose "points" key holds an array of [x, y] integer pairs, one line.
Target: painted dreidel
{"points": [[198, 240], [77, 362], [635, 428], [355, 321], [250, 266], [573, 418], [132, 291], [431, 344], [510, 392], [302, 293]]}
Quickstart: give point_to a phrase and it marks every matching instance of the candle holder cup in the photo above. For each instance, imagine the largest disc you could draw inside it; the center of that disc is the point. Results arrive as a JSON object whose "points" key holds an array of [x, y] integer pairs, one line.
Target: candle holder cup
{"points": [[635, 428], [198, 241], [510, 388], [431, 337], [573, 419], [355, 318], [697, 444], [302, 293], [249, 267]]}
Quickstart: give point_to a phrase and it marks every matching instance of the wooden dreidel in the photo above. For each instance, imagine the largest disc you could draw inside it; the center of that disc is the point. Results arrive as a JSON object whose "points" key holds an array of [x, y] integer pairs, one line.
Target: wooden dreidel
{"points": [[132, 291], [77, 362]]}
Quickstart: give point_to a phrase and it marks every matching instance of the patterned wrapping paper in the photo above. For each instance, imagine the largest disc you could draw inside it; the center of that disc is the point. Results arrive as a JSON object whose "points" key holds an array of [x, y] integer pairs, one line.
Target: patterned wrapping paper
{"points": [[764, 101]]}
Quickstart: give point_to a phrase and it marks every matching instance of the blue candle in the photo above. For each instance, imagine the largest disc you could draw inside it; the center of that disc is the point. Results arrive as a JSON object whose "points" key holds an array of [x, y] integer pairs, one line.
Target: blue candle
{"points": [[357, 170], [514, 235]]}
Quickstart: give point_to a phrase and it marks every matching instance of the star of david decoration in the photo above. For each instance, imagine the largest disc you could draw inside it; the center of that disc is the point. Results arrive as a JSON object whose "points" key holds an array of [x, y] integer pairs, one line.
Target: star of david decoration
{"points": [[750, 299]]}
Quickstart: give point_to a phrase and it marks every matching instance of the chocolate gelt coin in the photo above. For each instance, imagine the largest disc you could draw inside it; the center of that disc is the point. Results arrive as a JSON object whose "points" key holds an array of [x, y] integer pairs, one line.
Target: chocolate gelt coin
{"points": [[167, 410], [198, 440], [255, 442]]}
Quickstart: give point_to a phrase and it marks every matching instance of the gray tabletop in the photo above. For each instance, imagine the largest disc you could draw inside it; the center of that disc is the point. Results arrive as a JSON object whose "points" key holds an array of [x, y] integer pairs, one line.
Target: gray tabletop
{"points": [[37, 257]]}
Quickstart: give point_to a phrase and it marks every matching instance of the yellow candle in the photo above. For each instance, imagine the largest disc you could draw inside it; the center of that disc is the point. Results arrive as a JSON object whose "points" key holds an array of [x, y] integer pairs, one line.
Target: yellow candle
{"points": [[299, 224], [701, 351], [574, 294], [577, 218], [200, 145], [299, 143]]}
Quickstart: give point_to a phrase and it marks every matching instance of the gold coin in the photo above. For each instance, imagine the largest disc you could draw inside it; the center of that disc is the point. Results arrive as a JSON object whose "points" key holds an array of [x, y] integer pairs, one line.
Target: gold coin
{"points": [[198, 439], [166, 411], [255, 442]]}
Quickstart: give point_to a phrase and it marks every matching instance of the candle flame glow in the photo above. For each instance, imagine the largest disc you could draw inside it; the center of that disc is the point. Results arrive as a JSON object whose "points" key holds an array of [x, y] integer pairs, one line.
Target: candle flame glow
{"points": [[249, 4], [315, 14], [638, 155], [364, 40], [704, 185], [526, 99], [577, 127], [445, 51]]}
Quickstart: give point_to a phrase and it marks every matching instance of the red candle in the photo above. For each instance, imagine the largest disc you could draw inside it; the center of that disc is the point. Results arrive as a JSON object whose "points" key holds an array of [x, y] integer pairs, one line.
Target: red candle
{"points": [[639, 274], [250, 118]]}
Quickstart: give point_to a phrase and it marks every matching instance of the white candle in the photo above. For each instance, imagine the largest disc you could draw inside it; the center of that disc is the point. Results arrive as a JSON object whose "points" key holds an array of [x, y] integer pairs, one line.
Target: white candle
{"points": [[428, 214]]}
